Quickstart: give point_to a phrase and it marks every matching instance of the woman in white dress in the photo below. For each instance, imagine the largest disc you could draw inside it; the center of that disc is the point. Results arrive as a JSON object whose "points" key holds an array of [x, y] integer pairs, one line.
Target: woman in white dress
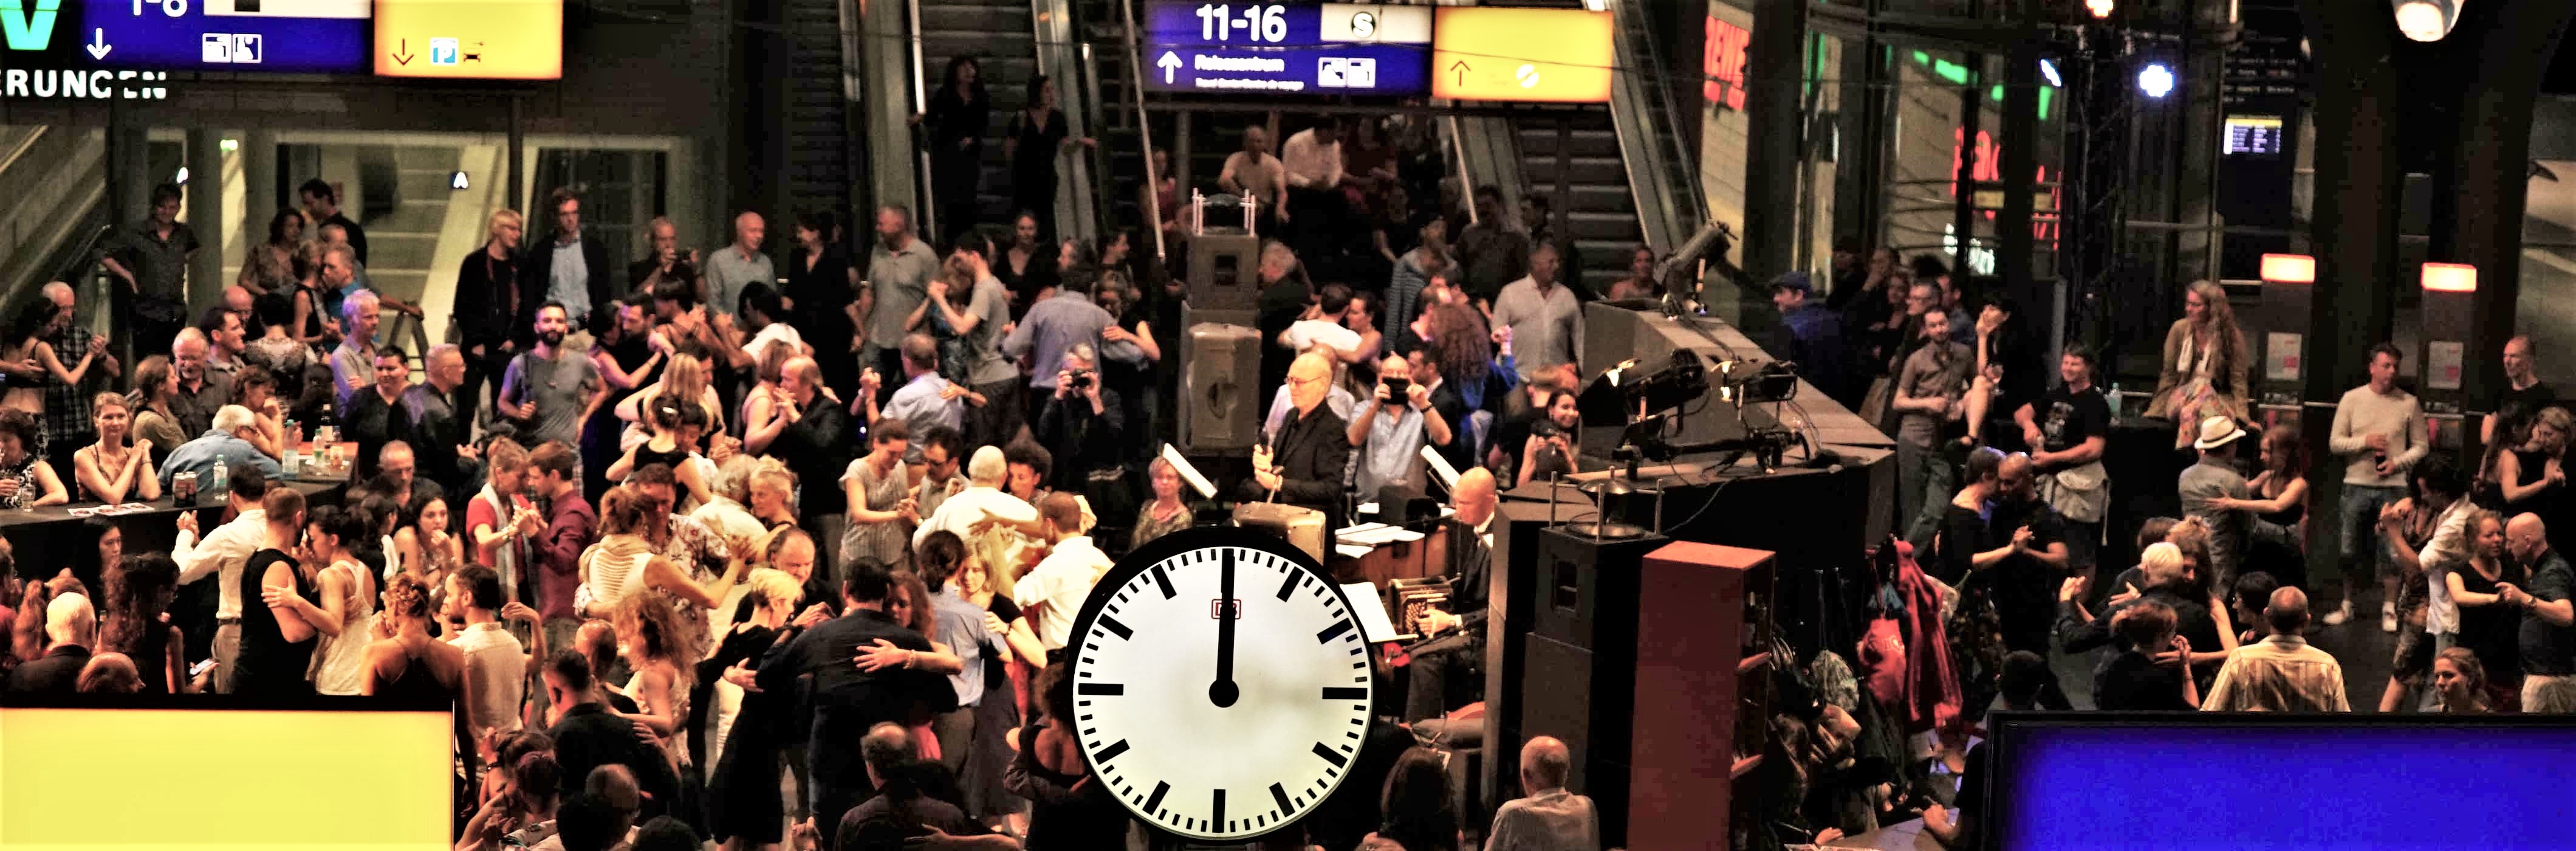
{"points": [[346, 612]]}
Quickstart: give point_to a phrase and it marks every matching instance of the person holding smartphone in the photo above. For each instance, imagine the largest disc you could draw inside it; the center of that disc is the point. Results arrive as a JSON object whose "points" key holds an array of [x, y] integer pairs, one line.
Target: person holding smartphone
{"points": [[1390, 429]]}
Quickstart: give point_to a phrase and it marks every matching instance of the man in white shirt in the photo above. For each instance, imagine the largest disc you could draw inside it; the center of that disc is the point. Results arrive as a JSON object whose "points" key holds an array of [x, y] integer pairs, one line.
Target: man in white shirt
{"points": [[1052, 593], [1325, 327], [1312, 159], [1545, 318], [1389, 430], [222, 554], [983, 495], [495, 663], [736, 266]]}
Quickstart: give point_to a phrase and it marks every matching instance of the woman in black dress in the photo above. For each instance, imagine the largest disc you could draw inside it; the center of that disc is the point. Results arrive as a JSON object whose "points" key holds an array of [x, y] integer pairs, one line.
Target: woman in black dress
{"points": [[1038, 136], [276, 642], [821, 286], [743, 807], [1064, 812], [1030, 267], [960, 114], [2489, 624]]}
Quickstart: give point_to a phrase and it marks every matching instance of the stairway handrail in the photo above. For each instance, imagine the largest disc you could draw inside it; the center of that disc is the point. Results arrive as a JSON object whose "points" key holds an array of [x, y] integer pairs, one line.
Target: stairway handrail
{"points": [[1144, 128]]}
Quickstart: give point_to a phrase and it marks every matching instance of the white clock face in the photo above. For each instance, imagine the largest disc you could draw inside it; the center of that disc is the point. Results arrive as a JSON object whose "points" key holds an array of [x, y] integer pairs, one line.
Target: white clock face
{"points": [[1200, 745]]}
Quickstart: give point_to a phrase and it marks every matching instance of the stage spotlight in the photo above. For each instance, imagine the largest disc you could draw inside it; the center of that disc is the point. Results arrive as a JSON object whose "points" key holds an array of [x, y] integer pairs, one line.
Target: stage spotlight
{"points": [[2099, 8], [2156, 81], [2427, 20], [2048, 71]]}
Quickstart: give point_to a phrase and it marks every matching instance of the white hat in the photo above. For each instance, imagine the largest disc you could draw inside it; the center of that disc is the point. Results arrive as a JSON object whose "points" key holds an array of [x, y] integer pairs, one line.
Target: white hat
{"points": [[2216, 432]]}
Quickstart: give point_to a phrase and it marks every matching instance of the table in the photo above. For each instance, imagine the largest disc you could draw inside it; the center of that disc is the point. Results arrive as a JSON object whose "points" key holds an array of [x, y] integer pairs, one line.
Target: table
{"points": [[46, 539]]}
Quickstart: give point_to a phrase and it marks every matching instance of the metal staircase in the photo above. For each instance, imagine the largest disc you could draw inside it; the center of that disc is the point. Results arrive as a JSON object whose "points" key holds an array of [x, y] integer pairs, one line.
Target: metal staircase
{"points": [[1001, 36]]}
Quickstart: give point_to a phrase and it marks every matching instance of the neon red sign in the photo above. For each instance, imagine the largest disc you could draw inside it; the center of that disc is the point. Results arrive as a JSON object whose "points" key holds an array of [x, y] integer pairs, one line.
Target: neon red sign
{"points": [[1722, 60], [1989, 169]]}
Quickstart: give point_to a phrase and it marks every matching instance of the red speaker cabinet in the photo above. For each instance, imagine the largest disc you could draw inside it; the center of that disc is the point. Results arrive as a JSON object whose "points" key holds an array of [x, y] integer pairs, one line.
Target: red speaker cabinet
{"points": [[1703, 636]]}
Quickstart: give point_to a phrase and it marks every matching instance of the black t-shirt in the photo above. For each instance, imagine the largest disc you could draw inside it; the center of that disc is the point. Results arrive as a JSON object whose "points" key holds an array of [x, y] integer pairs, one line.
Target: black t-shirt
{"points": [[2068, 418], [2025, 590], [2512, 407]]}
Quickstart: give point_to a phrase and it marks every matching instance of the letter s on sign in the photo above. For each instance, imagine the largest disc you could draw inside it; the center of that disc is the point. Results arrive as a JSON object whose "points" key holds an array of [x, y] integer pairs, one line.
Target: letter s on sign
{"points": [[1364, 24]]}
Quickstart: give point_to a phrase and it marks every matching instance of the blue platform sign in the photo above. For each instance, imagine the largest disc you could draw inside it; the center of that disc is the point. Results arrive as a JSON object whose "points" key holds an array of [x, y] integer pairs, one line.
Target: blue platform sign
{"points": [[273, 36], [1287, 48]]}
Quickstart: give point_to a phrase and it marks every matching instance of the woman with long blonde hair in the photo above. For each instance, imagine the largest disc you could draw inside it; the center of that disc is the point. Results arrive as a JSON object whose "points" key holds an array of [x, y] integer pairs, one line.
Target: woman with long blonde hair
{"points": [[2205, 364], [685, 377], [661, 648], [117, 466]]}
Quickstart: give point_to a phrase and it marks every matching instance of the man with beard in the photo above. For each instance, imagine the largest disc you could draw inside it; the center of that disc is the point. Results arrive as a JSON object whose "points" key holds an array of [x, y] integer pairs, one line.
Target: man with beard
{"points": [[899, 273], [1927, 395], [2025, 575], [432, 424], [547, 387]]}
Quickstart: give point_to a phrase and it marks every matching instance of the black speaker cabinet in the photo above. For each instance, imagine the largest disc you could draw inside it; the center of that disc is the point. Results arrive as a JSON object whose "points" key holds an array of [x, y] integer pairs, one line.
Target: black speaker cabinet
{"points": [[1581, 680], [1509, 593]]}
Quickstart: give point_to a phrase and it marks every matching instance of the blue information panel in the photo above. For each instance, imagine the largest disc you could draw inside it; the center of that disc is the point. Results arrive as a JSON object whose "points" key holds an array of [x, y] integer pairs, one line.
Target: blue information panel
{"points": [[1282, 48], [276, 36]]}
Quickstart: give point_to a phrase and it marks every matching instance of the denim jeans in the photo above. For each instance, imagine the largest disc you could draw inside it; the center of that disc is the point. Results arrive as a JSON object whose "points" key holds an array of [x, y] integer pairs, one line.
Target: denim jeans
{"points": [[2365, 555], [1936, 481]]}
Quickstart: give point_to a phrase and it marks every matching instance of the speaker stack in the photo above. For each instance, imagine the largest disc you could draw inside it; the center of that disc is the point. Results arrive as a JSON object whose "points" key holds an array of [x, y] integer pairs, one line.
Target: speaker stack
{"points": [[1583, 661], [1220, 363]]}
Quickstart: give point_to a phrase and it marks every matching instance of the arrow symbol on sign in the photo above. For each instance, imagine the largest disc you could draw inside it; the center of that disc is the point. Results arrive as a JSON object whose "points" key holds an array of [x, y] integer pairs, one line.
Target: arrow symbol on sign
{"points": [[1170, 63], [98, 46], [402, 52], [1461, 68]]}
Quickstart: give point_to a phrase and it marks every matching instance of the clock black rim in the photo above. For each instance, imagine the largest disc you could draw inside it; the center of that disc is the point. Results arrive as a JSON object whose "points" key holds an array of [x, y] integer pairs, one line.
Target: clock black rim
{"points": [[1144, 558]]}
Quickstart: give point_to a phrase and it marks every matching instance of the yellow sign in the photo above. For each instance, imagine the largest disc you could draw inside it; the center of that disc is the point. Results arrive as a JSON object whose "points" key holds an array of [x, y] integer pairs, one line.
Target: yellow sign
{"points": [[150, 779], [1493, 53], [470, 39]]}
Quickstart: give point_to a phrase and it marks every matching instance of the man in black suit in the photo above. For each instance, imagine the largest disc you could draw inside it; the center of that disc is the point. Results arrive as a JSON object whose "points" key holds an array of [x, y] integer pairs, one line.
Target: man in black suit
{"points": [[71, 626], [1304, 463], [847, 701], [1428, 693], [569, 269], [588, 736], [432, 424]]}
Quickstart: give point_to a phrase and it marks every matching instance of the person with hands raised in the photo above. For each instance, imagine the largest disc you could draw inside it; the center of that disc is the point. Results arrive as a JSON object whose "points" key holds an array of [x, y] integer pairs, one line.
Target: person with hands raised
{"points": [[1389, 430]]}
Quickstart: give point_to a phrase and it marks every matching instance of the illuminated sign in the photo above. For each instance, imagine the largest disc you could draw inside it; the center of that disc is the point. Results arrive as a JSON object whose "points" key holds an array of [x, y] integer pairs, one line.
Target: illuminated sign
{"points": [[1508, 54], [1989, 169], [1326, 49], [470, 39], [1722, 60], [59, 84], [287, 36], [2257, 135]]}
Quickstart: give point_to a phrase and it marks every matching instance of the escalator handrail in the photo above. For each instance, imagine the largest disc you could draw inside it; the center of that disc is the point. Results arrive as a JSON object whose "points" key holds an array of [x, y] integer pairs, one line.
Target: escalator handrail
{"points": [[1144, 129], [24, 145]]}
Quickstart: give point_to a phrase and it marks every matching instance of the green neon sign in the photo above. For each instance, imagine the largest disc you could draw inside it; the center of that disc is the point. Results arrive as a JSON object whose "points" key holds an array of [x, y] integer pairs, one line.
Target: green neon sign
{"points": [[28, 30]]}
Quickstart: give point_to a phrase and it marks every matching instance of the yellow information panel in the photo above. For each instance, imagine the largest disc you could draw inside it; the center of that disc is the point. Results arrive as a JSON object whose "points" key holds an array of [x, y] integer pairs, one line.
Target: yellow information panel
{"points": [[149, 779], [1492, 53], [470, 39]]}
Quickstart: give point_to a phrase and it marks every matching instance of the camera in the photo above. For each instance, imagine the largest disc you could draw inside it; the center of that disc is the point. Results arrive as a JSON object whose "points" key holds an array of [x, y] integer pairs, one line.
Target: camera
{"points": [[1397, 387], [1545, 428], [1079, 380]]}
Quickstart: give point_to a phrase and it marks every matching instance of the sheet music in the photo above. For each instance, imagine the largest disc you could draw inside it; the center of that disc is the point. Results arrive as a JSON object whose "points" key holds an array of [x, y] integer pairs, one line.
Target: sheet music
{"points": [[1374, 625], [1188, 473]]}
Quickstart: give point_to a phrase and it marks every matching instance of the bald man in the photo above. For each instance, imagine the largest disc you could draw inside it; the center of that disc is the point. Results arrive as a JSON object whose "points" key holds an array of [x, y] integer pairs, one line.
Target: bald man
{"points": [[1390, 429], [2523, 395], [1302, 464], [71, 627], [1546, 817], [811, 434], [2548, 618], [1443, 677], [2028, 558], [2281, 673]]}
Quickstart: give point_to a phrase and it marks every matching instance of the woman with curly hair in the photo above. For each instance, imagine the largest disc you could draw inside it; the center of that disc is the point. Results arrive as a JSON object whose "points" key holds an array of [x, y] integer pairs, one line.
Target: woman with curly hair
{"points": [[2205, 365], [625, 563], [33, 362], [270, 266], [138, 621], [347, 609], [1473, 378], [424, 543], [660, 647], [2460, 682]]}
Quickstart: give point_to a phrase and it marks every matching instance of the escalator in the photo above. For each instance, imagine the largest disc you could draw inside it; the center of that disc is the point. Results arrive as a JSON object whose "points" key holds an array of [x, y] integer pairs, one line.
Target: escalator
{"points": [[56, 180], [1599, 210]]}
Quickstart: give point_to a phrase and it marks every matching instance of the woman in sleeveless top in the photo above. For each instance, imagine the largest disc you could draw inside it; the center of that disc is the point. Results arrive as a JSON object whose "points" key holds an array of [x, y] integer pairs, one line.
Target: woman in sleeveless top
{"points": [[625, 562], [34, 363], [424, 546], [2532, 477], [684, 378], [2488, 626], [2280, 506], [2408, 526], [676, 431], [659, 646], [115, 468], [347, 612], [270, 266], [1049, 767], [409, 663], [880, 513], [749, 728], [277, 636]]}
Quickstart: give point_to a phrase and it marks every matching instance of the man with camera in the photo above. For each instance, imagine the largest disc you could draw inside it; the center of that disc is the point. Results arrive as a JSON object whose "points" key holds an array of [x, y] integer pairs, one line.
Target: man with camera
{"points": [[1390, 446], [1081, 421]]}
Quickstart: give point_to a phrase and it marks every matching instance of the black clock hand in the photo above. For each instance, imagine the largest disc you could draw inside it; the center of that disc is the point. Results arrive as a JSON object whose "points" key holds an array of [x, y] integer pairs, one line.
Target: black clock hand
{"points": [[1223, 692]]}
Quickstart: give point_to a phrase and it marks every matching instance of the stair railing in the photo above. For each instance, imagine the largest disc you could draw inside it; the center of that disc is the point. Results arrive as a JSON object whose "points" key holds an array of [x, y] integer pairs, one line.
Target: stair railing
{"points": [[1662, 174], [1153, 201], [926, 214], [1051, 22]]}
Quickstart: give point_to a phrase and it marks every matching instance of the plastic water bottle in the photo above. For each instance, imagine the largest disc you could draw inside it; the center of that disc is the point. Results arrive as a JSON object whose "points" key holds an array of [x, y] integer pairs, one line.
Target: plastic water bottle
{"points": [[221, 473]]}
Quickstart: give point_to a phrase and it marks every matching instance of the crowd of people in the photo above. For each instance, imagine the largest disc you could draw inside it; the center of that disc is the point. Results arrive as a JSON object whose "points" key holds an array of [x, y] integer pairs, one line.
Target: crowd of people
{"points": [[2003, 510], [775, 549]]}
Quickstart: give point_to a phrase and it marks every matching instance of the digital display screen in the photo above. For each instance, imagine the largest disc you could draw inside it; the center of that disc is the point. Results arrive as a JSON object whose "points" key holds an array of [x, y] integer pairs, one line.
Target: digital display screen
{"points": [[1278, 48], [277, 36], [84, 778], [2276, 782], [2255, 135], [1517, 54]]}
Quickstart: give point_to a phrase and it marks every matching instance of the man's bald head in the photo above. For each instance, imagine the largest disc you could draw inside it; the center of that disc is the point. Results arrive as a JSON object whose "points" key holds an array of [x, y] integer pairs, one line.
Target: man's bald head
{"points": [[71, 619], [1310, 378], [237, 299], [1545, 765], [883, 750], [615, 784], [2288, 611], [2527, 538], [1474, 496]]}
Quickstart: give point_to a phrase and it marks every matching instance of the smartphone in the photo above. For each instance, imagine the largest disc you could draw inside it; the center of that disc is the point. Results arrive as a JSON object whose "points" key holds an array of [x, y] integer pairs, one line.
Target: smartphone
{"points": [[200, 669]]}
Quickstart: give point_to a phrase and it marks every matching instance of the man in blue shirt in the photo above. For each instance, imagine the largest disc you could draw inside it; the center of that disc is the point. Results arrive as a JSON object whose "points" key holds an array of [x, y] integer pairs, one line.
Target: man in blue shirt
{"points": [[925, 400], [1811, 336], [219, 445], [961, 626]]}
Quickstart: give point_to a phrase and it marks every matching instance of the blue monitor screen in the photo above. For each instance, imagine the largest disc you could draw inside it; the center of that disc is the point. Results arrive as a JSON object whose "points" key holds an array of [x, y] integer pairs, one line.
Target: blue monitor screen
{"points": [[2279, 782]]}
